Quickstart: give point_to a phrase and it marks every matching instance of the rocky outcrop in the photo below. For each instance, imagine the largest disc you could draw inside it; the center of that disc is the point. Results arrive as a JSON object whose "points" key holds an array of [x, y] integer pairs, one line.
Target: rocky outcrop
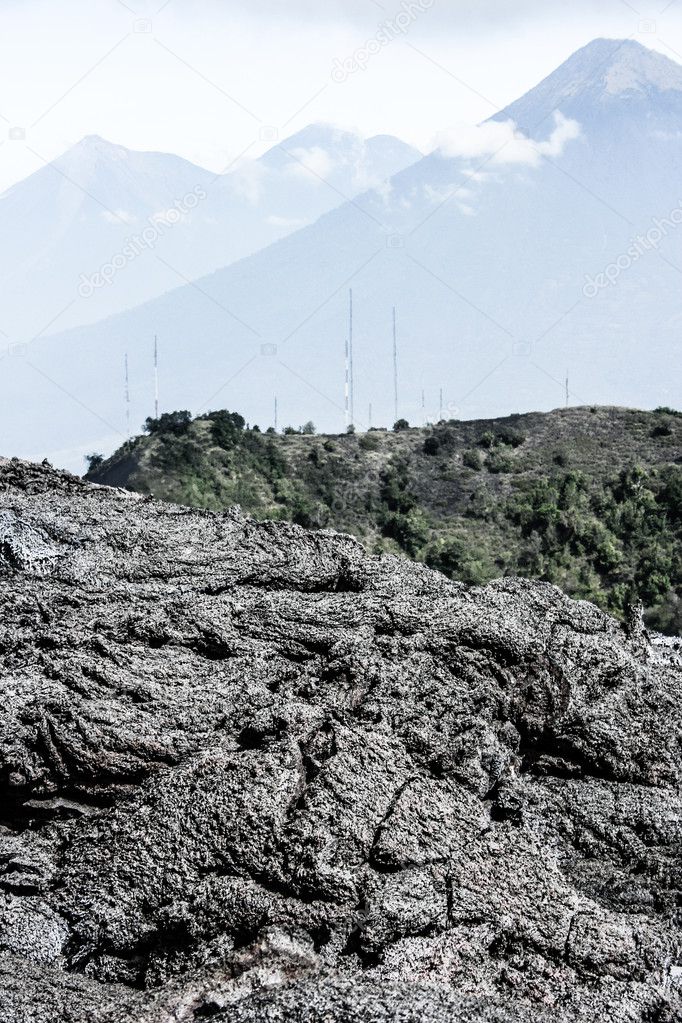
{"points": [[250, 773]]}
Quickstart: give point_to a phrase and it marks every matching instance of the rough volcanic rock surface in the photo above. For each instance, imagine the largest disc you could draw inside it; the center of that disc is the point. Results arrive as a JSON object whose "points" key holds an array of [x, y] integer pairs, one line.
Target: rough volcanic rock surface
{"points": [[251, 774]]}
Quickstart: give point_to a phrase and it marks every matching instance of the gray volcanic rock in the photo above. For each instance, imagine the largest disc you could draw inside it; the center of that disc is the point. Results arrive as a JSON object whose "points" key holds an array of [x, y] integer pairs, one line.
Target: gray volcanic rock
{"points": [[250, 773]]}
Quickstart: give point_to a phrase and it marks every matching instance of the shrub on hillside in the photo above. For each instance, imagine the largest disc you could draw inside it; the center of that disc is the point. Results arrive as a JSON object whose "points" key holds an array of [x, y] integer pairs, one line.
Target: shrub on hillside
{"points": [[394, 488], [370, 442], [174, 423], [504, 435], [472, 460], [459, 559], [409, 530], [400, 517], [227, 427], [499, 462], [509, 436], [667, 617]]}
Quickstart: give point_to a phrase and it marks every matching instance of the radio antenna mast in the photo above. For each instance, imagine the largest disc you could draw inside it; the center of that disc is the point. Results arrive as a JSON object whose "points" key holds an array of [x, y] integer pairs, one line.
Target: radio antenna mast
{"points": [[568, 393], [276, 414], [351, 366], [395, 364], [127, 396], [346, 386], [156, 377]]}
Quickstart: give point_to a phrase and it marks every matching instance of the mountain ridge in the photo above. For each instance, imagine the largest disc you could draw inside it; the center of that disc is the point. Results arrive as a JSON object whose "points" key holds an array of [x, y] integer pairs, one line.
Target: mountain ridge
{"points": [[487, 263], [596, 78], [318, 132], [92, 200]]}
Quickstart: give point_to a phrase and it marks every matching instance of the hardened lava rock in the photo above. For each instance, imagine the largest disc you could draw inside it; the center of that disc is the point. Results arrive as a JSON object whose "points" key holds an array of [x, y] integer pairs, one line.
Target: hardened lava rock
{"points": [[250, 773]]}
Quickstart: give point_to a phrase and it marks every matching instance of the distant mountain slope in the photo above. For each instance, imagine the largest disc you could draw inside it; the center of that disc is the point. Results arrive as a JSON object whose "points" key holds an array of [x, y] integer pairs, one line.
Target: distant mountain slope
{"points": [[91, 207], [511, 263], [605, 78], [590, 499]]}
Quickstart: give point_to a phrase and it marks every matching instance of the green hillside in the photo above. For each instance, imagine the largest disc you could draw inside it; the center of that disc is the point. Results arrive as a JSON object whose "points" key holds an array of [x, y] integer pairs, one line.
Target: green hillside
{"points": [[587, 498]]}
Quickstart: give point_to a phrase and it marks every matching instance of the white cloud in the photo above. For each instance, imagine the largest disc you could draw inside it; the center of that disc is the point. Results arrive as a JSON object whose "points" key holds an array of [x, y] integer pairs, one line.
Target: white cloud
{"points": [[247, 181], [502, 143], [460, 198], [384, 191], [463, 14], [237, 67], [314, 162]]}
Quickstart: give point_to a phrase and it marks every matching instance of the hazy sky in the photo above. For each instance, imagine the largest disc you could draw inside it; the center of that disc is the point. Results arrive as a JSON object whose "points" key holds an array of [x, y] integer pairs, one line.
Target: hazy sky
{"points": [[210, 80]]}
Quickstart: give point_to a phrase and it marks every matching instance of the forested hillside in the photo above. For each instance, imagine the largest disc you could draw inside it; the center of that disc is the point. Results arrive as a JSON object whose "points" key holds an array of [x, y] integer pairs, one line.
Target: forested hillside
{"points": [[587, 498]]}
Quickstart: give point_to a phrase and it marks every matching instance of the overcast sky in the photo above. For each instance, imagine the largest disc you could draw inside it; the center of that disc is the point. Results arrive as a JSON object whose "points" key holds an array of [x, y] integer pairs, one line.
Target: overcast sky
{"points": [[210, 80]]}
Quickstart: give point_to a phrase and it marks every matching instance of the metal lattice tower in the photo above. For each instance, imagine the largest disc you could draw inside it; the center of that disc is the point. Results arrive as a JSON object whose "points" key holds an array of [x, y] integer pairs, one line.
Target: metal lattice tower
{"points": [[127, 396], [351, 360], [156, 377], [395, 364]]}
